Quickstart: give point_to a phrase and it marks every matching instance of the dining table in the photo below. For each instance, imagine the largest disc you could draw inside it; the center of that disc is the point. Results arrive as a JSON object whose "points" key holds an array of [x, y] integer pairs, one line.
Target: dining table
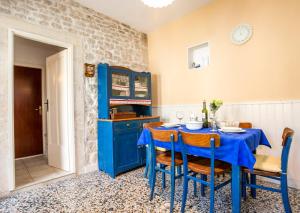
{"points": [[236, 149]]}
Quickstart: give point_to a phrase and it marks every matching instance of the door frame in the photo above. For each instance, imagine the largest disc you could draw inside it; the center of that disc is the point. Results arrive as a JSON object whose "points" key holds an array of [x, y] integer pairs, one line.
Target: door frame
{"points": [[69, 116]]}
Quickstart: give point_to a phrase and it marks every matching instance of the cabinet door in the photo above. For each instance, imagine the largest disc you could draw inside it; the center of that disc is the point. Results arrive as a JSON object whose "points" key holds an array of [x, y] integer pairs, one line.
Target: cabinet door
{"points": [[127, 151], [120, 84], [142, 85]]}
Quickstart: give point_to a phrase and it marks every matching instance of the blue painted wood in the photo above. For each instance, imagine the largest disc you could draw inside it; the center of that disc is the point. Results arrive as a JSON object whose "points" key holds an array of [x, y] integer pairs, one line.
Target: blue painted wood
{"points": [[285, 194], [117, 146], [106, 148], [117, 141], [236, 188], [204, 178], [163, 178], [201, 180], [212, 176], [103, 91], [283, 178], [154, 169], [253, 181]]}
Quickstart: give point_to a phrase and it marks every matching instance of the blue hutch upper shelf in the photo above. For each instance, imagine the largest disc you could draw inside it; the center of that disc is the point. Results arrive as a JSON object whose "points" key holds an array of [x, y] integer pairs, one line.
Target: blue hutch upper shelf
{"points": [[121, 86]]}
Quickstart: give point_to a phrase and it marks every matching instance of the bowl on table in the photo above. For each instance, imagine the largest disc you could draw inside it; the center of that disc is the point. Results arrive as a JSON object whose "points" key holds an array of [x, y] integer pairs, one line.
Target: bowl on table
{"points": [[194, 125]]}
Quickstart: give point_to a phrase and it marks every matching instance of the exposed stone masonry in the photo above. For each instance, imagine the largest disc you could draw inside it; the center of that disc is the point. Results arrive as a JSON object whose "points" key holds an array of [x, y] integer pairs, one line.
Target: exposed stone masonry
{"points": [[104, 40]]}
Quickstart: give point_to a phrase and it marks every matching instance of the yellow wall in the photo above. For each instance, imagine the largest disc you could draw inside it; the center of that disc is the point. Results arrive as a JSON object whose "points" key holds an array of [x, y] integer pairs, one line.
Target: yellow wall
{"points": [[266, 68]]}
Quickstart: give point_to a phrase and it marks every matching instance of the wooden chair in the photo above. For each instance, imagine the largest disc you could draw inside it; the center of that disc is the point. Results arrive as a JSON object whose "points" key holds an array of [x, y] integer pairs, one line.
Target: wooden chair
{"points": [[245, 125], [273, 168], [202, 166], [170, 159], [147, 126]]}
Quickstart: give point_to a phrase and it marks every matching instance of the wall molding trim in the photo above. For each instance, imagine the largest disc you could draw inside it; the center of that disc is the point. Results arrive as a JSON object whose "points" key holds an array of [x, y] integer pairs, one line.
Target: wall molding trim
{"points": [[271, 116]]}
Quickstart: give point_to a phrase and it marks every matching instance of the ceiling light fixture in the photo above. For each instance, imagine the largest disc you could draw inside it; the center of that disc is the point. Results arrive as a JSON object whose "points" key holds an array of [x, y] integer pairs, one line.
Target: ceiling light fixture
{"points": [[157, 3]]}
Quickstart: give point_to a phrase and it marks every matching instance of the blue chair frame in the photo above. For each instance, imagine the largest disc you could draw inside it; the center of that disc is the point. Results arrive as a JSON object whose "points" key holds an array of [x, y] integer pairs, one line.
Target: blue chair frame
{"points": [[287, 141], [162, 168], [203, 179]]}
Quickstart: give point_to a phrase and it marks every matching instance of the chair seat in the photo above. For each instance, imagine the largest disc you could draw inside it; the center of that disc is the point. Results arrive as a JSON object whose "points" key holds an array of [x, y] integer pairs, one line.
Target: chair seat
{"points": [[202, 166], [266, 165], [165, 158]]}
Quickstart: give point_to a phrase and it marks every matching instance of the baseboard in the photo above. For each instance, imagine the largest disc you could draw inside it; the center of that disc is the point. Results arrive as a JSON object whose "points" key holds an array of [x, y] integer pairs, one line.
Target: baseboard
{"points": [[90, 168], [32, 156]]}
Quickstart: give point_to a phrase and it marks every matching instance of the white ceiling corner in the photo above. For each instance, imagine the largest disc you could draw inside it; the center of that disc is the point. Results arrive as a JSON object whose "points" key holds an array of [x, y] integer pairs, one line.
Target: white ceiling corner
{"points": [[140, 16]]}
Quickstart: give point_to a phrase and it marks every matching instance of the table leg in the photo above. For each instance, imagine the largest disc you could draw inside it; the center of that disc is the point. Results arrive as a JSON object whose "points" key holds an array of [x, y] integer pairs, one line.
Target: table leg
{"points": [[236, 189], [147, 169]]}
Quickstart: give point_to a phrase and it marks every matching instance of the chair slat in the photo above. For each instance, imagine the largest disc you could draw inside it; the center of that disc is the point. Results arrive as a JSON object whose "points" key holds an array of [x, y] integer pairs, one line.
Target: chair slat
{"points": [[245, 125], [200, 140], [163, 135], [152, 124]]}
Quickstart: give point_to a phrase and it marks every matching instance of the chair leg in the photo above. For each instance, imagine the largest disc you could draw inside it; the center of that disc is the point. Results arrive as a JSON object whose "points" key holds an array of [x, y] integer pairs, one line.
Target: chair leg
{"points": [[184, 194], [146, 169], [163, 177], [195, 185], [253, 181], [203, 177], [153, 179], [178, 170], [244, 191], [146, 172], [285, 194], [212, 194], [172, 188]]}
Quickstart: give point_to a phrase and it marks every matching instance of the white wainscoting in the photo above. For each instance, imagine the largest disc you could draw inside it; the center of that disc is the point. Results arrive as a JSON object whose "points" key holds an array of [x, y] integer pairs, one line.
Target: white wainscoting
{"points": [[272, 117]]}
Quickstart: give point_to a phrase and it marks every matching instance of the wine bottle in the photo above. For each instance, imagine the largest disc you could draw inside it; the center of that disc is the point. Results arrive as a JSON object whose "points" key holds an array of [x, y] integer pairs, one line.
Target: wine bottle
{"points": [[204, 115]]}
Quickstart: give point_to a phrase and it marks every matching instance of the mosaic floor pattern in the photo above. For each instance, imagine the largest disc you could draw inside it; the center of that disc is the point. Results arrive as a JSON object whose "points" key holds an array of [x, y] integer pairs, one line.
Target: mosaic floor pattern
{"points": [[97, 192]]}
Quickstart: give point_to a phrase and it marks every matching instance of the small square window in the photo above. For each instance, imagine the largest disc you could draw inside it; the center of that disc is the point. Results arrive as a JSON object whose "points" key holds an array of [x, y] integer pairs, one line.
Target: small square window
{"points": [[198, 56]]}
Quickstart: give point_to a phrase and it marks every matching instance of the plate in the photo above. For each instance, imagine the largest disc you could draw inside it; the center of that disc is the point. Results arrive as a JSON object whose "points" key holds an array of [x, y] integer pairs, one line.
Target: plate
{"points": [[232, 130], [170, 125]]}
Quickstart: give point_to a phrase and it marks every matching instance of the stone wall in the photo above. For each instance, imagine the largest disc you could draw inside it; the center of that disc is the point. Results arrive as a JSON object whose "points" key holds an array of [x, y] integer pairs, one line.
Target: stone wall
{"points": [[103, 39]]}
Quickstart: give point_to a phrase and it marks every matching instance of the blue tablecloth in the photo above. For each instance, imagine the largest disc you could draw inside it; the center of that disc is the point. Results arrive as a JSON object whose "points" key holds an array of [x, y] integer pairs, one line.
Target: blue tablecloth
{"points": [[236, 148]]}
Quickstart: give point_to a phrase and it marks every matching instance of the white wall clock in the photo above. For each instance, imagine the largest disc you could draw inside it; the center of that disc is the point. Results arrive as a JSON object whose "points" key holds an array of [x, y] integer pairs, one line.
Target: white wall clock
{"points": [[241, 34]]}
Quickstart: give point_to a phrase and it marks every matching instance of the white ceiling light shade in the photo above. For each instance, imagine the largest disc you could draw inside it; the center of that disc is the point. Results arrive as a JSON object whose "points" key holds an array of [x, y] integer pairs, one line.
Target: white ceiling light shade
{"points": [[157, 3]]}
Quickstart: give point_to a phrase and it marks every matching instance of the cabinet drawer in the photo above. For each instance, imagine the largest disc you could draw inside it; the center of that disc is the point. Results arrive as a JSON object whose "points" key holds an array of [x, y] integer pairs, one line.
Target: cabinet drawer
{"points": [[126, 125]]}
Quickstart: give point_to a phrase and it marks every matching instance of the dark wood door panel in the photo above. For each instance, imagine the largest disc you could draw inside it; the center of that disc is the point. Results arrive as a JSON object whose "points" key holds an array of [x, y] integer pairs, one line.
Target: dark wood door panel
{"points": [[27, 118]]}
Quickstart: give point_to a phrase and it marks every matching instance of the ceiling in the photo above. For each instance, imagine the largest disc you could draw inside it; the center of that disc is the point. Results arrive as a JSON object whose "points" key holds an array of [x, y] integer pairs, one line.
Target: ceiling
{"points": [[138, 15]]}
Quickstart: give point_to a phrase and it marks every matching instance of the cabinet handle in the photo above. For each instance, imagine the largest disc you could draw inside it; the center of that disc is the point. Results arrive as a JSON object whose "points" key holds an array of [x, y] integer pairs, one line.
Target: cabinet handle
{"points": [[127, 124]]}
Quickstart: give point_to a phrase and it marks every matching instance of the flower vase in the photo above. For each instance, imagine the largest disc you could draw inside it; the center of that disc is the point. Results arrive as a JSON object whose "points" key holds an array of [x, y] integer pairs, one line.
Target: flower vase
{"points": [[213, 122]]}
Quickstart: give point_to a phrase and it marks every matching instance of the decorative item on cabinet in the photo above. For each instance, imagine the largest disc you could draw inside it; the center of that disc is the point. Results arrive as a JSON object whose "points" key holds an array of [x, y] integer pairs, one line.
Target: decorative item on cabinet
{"points": [[89, 70], [124, 105]]}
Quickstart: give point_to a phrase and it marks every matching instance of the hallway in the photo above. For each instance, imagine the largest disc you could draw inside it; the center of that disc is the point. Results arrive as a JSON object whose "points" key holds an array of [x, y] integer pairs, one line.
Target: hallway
{"points": [[34, 170]]}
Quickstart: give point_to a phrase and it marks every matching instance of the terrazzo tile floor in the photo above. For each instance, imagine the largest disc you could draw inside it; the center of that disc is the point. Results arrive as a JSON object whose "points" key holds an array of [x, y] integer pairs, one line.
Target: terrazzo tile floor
{"points": [[34, 170], [97, 192]]}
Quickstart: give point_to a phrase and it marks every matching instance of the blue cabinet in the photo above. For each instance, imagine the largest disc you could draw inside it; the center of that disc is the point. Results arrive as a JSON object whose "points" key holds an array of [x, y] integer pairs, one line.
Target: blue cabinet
{"points": [[126, 91], [117, 145]]}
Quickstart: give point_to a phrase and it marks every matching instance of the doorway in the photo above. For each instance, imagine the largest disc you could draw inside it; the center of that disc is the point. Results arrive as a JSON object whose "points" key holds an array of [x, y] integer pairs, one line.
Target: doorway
{"points": [[41, 119]]}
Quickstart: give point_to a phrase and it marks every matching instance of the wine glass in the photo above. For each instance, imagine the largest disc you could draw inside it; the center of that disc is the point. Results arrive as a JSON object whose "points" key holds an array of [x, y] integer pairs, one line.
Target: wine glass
{"points": [[180, 116]]}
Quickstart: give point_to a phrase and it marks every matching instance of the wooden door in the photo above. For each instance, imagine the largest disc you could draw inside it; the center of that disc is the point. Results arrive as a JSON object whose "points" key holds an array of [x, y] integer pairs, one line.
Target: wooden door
{"points": [[28, 111], [57, 92]]}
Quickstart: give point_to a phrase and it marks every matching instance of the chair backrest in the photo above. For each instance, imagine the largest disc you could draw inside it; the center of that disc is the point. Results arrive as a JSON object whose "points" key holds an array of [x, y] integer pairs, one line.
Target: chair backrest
{"points": [[152, 124], [200, 140], [287, 132], [287, 137], [245, 125], [164, 135]]}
